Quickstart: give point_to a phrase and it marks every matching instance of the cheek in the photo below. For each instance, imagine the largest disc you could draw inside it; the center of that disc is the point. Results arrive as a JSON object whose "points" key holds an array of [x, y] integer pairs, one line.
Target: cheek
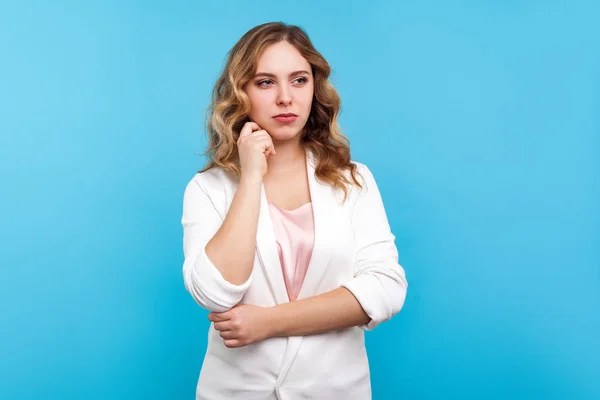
{"points": [[307, 97], [259, 102], [307, 104]]}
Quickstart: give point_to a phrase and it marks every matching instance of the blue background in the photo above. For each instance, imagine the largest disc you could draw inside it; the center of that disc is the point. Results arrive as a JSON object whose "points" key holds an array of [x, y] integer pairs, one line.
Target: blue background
{"points": [[479, 119]]}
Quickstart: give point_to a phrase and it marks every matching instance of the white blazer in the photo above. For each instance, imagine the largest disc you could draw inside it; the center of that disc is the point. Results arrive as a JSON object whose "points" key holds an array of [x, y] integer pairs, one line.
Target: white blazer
{"points": [[353, 248]]}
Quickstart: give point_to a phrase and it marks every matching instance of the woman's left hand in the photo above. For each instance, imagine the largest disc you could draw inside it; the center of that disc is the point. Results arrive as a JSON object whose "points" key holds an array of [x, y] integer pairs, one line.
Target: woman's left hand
{"points": [[242, 325]]}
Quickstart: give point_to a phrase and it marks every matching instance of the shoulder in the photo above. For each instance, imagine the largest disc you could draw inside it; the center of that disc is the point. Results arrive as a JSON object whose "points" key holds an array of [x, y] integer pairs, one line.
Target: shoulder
{"points": [[361, 168], [364, 176], [210, 180]]}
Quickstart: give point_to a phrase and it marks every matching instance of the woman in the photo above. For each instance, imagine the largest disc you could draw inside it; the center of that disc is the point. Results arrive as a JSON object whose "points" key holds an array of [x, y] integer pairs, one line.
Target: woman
{"points": [[286, 239]]}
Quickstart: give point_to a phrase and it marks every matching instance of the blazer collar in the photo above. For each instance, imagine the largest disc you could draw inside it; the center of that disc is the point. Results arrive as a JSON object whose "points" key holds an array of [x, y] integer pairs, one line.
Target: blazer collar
{"points": [[323, 205]]}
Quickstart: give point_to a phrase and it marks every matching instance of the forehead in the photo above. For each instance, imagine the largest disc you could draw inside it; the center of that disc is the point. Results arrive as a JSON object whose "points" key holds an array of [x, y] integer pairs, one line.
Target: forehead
{"points": [[281, 58]]}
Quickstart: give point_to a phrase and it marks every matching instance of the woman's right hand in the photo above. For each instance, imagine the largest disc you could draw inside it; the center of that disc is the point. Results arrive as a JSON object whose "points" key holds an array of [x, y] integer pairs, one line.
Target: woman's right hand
{"points": [[254, 146]]}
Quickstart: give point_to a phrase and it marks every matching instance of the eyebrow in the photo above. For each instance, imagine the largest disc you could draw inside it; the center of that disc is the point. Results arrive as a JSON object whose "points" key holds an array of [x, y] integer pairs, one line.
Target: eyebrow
{"points": [[268, 74]]}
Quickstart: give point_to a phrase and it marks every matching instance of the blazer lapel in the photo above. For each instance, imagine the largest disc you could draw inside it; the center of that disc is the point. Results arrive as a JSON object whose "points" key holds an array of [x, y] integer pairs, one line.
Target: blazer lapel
{"points": [[324, 206], [266, 248]]}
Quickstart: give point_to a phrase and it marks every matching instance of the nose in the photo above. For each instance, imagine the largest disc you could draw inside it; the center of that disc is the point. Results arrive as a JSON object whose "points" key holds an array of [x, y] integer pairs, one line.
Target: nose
{"points": [[284, 96]]}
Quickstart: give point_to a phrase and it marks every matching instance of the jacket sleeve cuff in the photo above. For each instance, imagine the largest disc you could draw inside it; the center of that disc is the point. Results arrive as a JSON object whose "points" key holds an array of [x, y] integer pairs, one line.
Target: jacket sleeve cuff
{"points": [[212, 291], [381, 298]]}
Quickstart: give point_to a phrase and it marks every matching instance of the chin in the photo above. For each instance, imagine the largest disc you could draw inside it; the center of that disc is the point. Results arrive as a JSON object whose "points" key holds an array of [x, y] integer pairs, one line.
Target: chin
{"points": [[284, 132]]}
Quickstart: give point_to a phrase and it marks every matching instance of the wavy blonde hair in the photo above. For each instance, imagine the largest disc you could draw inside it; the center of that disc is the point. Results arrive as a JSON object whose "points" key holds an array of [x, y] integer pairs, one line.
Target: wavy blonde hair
{"points": [[230, 106]]}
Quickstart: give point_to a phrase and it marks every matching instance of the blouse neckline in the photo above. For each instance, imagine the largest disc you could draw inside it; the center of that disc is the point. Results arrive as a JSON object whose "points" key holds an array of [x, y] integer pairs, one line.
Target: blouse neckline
{"points": [[291, 211]]}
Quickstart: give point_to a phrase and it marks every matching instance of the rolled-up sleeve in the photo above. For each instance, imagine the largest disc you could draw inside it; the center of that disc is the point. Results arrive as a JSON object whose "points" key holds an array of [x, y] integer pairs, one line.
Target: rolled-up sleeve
{"points": [[379, 282], [202, 279]]}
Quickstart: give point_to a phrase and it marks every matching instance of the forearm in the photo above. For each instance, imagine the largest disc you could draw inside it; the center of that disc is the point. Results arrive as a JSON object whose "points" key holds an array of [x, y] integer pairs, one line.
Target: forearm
{"points": [[232, 248], [330, 311]]}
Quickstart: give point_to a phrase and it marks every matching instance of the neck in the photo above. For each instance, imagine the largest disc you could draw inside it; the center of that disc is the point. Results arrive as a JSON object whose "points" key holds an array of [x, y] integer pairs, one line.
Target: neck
{"points": [[290, 153]]}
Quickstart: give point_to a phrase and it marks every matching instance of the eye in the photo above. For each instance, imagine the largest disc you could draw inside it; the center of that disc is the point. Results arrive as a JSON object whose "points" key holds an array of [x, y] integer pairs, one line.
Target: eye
{"points": [[262, 83], [302, 80]]}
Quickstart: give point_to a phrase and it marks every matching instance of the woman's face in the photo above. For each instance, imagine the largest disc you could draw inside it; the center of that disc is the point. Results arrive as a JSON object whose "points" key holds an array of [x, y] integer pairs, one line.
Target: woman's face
{"points": [[283, 84]]}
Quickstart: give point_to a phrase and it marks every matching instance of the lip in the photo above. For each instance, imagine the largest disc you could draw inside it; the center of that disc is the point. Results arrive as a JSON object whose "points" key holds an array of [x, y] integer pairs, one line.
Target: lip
{"points": [[286, 117]]}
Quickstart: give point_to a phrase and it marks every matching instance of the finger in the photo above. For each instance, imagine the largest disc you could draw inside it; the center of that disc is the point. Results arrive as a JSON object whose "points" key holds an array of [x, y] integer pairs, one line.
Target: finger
{"points": [[228, 335], [233, 343], [264, 139], [223, 326], [218, 317], [265, 143], [269, 149], [249, 128], [260, 133]]}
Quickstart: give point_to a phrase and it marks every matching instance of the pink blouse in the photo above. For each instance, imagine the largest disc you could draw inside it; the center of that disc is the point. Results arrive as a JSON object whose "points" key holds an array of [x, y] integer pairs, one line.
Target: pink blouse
{"points": [[294, 233]]}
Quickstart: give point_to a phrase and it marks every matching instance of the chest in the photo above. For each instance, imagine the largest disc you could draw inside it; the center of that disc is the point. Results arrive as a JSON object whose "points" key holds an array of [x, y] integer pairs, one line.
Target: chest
{"points": [[288, 191]]}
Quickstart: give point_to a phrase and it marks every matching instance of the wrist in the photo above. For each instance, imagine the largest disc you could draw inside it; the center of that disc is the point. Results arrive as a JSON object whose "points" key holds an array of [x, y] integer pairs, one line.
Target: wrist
{"points": [[251, 178], [273, 321]]}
